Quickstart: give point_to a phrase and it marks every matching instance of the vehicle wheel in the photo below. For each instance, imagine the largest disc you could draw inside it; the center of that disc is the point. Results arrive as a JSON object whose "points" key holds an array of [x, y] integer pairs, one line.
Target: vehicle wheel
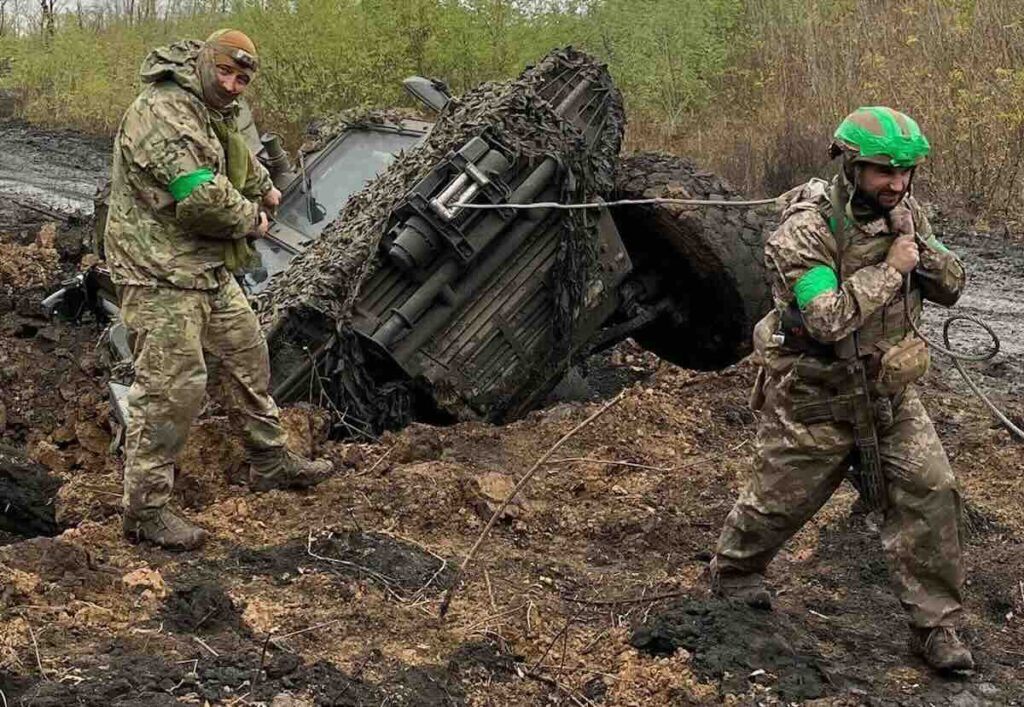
{"points": [[708, 260]]}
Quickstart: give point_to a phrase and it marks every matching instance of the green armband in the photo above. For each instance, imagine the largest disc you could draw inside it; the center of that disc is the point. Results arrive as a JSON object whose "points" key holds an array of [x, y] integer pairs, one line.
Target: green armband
{"points": [[818, 280], [184, 185]]}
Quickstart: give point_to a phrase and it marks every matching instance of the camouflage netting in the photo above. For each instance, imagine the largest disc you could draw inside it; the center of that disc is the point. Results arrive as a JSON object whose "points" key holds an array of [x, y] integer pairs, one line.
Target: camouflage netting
{"points": [[322, 130], [321, 285]]}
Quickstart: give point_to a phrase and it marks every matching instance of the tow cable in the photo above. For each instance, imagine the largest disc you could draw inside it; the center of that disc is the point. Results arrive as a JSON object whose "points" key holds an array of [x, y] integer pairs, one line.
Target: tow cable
{"points": [[946, 348], [958, 358]]}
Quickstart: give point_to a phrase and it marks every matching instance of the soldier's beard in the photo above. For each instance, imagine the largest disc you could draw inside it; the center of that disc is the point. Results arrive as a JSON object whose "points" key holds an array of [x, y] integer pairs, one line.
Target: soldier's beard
{"points": [[866, 204], [214, 95]]}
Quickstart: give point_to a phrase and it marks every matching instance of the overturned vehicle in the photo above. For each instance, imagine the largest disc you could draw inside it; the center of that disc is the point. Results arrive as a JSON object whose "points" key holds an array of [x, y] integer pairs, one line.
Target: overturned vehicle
{"points": [[399, 283]]}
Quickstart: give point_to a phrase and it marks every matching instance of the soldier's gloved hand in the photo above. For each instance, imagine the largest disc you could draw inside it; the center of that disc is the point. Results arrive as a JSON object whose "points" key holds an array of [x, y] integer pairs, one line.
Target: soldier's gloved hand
{"points": [[262, 225], [272, 199], [903, 254]]}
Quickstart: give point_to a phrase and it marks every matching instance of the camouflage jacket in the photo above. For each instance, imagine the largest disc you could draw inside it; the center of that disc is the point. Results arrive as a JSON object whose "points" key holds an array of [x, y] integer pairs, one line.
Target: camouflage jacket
{"points": [[171, 204], [863, 293]]}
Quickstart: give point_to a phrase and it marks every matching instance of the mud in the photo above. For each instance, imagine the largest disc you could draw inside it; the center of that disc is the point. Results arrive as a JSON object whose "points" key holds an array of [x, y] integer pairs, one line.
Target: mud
{"points": [[27, 490], [393, 564], [201, 608], [995, 294], [119, 677], [737, 645], [53, 170]]}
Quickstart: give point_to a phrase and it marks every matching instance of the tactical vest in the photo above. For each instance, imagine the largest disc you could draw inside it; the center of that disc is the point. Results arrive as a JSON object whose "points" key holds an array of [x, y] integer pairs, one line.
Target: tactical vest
{"points": [[888, 324]]}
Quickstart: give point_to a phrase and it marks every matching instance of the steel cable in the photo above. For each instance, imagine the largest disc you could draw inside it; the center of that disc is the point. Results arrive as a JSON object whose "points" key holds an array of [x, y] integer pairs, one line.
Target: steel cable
{"points": [[619, 202], [957, 357]]}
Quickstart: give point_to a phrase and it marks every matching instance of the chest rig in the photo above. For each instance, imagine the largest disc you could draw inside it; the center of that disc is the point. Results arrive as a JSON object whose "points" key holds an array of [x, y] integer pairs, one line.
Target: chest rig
{"points": [[859, 246]]}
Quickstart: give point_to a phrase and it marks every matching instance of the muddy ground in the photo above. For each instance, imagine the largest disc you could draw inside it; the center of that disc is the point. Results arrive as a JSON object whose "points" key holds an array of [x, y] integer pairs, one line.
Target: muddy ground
{"points": [[330, 597]]}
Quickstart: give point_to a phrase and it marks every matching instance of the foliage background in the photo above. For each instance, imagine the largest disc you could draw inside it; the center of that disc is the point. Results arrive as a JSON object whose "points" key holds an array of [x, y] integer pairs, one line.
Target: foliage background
{"points": [[749, 88]]}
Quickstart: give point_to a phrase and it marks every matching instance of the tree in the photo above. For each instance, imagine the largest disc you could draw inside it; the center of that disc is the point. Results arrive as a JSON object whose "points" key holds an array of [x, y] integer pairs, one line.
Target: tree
{"points": [[48, 16]]}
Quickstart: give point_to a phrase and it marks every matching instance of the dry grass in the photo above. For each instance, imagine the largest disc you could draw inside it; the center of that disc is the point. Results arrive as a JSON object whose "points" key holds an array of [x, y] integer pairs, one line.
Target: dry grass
{"points": [[956, 66]]}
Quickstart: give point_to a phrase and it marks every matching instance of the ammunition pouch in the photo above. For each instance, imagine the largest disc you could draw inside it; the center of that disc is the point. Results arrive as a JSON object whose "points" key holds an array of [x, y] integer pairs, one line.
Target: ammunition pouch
{"points": [[901, 365], [889, 324]]}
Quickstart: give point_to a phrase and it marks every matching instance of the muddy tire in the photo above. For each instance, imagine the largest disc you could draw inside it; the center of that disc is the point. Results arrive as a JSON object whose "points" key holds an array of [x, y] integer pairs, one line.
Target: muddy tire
{"points": [[709, 260]]}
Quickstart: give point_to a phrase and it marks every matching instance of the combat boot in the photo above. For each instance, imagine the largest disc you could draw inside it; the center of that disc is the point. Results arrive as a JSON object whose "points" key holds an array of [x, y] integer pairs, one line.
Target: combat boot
{"points": [[162, 527], [941, 648], [280, 468], [748, 588]]}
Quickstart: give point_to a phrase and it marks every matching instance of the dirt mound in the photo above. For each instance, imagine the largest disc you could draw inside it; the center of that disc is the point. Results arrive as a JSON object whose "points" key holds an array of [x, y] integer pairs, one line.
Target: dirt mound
{"points": [[27, 491], [393, 564], [118, 679], [737, 645], [200, 608]]}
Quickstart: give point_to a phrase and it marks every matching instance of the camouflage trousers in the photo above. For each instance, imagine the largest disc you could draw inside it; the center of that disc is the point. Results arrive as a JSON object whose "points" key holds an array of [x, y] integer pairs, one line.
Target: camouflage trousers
{"points": [[798, 467], [178, 335]]}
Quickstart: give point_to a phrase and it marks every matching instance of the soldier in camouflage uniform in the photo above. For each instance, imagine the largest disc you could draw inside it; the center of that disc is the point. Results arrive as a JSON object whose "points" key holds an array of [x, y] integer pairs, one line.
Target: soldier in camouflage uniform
{"points": [[841, 302], [186, 195]]}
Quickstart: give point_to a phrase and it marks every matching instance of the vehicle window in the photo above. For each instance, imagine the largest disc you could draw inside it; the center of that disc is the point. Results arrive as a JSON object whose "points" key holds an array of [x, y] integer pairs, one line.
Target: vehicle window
{"points": [[343, 170]]}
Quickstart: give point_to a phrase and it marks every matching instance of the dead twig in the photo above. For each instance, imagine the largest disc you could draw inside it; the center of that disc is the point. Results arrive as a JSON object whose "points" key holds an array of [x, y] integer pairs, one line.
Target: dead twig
{"points": [[490, 590], [305, 630], [101, 490], [579, 700], [35, 647], [201, 642], [712, 457], [626, 600], [564, 630], [63, 218], [259, 668], [377, 463], [634, 465], [590, 646], [588, 460], [3, 697], [499, 615], [450, 594], [571, 669]]}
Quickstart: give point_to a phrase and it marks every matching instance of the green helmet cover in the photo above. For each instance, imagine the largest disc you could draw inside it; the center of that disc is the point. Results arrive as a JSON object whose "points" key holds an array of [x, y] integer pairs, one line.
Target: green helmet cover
{"points": [[883, 136]]}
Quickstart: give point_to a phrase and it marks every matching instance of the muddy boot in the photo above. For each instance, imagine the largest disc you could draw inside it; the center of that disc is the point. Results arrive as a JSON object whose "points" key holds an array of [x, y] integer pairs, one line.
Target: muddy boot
{"points": [[941, 648], [280, 468], [164, 528], [746, 588]]}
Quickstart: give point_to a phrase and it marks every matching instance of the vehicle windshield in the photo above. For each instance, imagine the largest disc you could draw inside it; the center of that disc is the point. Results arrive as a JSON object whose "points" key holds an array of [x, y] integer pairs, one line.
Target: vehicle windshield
{"points": [[334, 176]]}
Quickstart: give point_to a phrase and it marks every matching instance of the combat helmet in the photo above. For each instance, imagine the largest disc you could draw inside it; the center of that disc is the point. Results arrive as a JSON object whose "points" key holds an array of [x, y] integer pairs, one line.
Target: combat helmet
{"points": [[882, 136]]}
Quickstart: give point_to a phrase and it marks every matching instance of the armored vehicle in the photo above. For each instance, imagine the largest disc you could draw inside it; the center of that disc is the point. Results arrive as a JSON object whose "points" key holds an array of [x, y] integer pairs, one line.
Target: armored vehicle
{"points": [[398, 282]]}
